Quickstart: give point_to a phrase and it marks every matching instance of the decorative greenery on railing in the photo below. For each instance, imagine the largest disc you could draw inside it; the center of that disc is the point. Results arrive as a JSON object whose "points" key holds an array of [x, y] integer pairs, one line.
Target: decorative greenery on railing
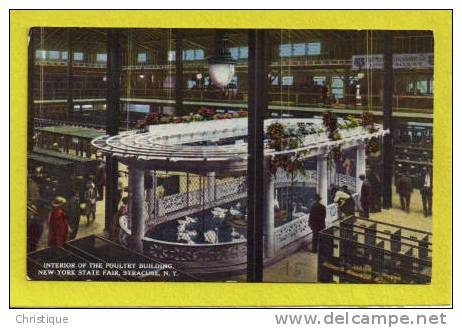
{"points": [[283, 138], [368, 123], [203, 114], [373, 145], [350, 123], [331, 123]]}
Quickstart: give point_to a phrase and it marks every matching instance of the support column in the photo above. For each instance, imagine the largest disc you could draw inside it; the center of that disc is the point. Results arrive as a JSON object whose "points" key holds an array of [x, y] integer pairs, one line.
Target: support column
{"points": [[137, 212], [70, 58], [387, 119], [112, 123], [258, 107], [210, 191], [178, 74], [269, 214], [151, 194], [322, 184], [30, 90], [360, 165]]}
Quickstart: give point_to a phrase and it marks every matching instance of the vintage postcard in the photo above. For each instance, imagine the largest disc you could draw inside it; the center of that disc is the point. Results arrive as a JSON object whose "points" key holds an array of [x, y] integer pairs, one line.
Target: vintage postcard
{"points": [[201, 154]]}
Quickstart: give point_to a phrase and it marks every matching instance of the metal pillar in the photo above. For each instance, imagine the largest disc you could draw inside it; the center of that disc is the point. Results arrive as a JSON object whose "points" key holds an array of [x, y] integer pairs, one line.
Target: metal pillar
{"points": [[210, 196], [321, 183], [387, 119], [360, 165], [30, 90], [112, 122], [151, 195], [70, 101], [257, 105], [137, 212], [179, 73], [269, 215]]}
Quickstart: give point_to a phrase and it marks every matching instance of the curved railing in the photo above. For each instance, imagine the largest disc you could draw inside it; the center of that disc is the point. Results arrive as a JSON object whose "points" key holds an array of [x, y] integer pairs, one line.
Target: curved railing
{"points": [[237, 189], [203, 258], [230, 256]]}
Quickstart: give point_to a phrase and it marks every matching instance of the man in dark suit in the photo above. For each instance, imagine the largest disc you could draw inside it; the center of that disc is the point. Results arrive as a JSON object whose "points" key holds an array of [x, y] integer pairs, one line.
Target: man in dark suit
{"points": [[366, 195], [404, 190], [317, 221], [426, 186], [376, 192]]}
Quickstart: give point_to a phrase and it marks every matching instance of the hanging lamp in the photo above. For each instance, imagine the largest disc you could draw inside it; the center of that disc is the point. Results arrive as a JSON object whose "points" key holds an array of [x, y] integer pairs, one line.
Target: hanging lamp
{"points": [[222, 66]]}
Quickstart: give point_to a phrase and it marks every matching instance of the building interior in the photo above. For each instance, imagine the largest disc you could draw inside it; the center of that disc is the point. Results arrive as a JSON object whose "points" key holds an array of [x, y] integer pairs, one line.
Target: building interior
{"points": [[88, 86]]}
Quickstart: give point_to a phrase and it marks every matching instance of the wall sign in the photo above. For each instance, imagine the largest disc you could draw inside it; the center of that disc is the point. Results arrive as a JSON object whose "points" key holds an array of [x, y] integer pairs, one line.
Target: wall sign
{"points": [[424, 60]]}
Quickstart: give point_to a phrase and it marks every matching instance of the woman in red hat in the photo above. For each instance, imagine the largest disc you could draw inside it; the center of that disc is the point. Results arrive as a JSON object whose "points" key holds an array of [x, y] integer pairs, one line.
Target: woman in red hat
{"points": [[58, 223]]}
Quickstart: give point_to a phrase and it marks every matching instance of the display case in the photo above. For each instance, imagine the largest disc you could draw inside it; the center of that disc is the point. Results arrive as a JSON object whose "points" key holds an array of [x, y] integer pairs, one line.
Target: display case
{"points": [[361, 250]]}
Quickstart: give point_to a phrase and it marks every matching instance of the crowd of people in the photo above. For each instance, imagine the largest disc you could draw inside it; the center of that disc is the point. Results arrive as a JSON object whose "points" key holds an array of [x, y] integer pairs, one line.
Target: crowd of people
{"points": [[405, 187], [369, 199], [62, 220]]}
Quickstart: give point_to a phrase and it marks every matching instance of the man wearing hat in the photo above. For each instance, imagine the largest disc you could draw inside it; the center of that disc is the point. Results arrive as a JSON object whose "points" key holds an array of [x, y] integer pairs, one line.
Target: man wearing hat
{"points": [[74, 213], [426, 186], [317, 221], [90, 202], [365, 197], [58, 223], [100, 180], [34, 227]]}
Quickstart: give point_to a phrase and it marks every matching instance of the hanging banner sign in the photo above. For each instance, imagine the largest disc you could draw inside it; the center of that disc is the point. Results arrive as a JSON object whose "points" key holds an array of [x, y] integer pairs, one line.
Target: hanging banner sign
{"points": [[424, 60]]}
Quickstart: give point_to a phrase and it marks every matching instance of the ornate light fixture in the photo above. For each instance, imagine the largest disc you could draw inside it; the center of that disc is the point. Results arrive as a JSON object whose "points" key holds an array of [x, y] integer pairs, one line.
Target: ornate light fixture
{"points": [[222, 66]]}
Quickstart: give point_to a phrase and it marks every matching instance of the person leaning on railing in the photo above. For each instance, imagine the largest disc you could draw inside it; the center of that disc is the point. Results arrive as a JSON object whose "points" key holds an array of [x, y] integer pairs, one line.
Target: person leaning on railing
{"points": [[343, 199]]}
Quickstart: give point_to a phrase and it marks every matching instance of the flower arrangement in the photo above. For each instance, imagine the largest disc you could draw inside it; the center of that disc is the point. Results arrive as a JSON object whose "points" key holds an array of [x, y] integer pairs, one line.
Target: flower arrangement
{"points": [[373, 145], [222, 116], [276, 134], [367, 121], [282, 138], [350, 122], [330, 122], [201, 115], [151, 118], [334, 155], [206, 113], [166, 119], [289, 163], [186, 118], [197, 117]]}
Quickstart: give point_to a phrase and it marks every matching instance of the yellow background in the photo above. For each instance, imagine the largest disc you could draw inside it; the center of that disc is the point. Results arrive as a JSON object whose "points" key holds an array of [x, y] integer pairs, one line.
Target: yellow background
{"points": [[99, 294]]}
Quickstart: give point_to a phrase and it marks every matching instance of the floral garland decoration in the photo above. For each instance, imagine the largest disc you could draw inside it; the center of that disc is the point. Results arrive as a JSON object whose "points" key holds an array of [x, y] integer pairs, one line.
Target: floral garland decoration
{"points": [[282, 138], [334, 155], [372, 145], [203, 114], [368, 123], [331, 123], [350, 123]]}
